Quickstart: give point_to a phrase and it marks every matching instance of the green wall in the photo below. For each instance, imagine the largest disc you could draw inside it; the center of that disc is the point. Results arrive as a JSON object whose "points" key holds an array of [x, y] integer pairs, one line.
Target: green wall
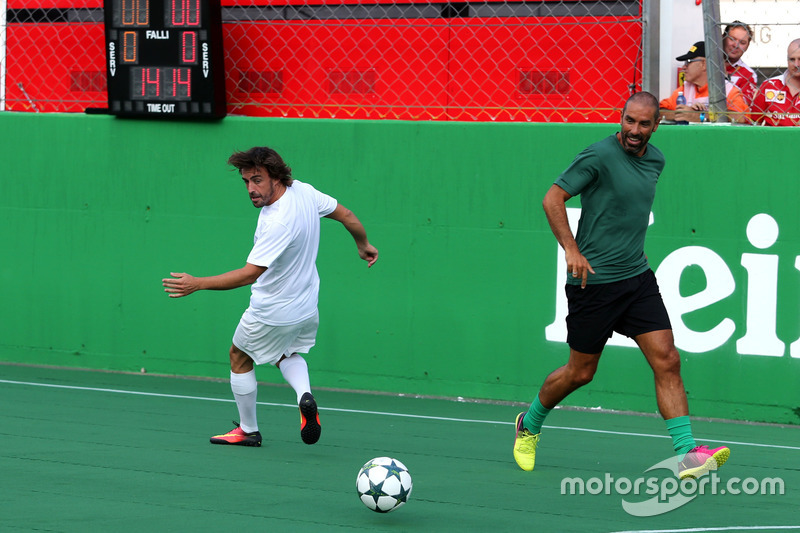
{"points": [[96, 211]]}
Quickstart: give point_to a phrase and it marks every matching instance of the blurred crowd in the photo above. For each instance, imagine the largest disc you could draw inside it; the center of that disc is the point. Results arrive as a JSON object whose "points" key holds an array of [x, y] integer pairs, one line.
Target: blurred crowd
{"points": [[774, 102]]}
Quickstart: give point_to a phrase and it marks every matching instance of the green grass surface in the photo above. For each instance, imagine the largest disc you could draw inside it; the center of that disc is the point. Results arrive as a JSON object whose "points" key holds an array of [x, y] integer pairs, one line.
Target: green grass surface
{"points": [[92, 451]]}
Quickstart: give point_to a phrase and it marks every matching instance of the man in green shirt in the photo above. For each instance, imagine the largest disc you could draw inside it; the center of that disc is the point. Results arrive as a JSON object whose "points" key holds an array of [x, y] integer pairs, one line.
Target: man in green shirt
{"points": [[610, 286]]}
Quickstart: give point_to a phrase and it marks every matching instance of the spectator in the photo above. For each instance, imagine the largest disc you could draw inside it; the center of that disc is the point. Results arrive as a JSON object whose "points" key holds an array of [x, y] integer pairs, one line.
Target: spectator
{"points": [[777, 102], [735, 41], [695, 90]]}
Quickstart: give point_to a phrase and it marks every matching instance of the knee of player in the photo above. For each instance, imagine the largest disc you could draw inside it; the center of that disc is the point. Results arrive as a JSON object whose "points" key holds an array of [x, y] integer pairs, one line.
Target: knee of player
{"points": [[233, 353], [240, 361], [669, 362], [583, 376]]}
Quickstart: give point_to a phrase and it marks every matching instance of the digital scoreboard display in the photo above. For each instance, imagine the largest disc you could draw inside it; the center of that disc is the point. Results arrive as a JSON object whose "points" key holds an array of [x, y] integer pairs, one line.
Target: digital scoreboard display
{"points": [[164, 58]]}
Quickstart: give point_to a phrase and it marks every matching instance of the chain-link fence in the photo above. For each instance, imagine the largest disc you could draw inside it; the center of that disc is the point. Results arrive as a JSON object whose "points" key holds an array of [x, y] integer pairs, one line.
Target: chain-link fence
{"points": [[544, 60], [418, 59]]}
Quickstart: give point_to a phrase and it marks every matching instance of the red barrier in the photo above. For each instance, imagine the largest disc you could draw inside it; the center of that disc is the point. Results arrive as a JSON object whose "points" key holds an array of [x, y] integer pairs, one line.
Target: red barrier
{"points": [[55, 67], [342, 71], [449, 67], [412, 69]]}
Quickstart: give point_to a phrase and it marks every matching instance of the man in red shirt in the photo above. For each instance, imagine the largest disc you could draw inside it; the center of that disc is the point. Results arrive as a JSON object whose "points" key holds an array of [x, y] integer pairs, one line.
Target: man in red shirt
{"points": [[735, 41], [777, 102]]}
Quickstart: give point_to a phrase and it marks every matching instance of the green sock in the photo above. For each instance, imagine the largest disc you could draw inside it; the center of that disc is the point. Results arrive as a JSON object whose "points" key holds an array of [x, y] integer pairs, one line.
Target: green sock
{"points": [[680, 429], [535, 416]]}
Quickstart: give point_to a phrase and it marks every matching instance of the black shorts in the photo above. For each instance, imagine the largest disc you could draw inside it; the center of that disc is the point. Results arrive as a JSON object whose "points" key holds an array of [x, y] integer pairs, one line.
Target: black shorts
{"points": [[631, 307]]}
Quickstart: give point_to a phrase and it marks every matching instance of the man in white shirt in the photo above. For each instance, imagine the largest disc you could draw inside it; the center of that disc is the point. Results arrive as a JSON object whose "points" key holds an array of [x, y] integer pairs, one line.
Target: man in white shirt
{"points": [[281, 321]]}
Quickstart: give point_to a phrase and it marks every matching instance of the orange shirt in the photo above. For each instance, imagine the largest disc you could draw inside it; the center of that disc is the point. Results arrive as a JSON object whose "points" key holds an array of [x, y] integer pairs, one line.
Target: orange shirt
{"points": [[734, 98]]}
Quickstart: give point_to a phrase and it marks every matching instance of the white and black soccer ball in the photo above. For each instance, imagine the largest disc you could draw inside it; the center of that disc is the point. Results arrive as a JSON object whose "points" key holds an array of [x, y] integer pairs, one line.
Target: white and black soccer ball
{"points": [[383, 484]]}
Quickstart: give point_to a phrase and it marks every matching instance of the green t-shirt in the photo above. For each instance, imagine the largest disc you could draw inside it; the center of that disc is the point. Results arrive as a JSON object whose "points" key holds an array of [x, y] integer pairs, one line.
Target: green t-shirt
{"points": [[617, 191]]}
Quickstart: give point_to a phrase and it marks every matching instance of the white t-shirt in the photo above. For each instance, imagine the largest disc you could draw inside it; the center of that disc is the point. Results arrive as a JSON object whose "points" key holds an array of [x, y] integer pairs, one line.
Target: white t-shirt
{"points": [[286, 242]]}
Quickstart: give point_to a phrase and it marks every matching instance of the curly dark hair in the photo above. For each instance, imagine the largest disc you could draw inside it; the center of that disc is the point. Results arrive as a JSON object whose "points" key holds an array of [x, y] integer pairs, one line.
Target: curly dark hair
{"points": [[267, 158]]}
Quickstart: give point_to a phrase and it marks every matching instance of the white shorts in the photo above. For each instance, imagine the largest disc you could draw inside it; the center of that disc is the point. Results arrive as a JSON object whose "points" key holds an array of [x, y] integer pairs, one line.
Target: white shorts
{"points": [[266, 344]]}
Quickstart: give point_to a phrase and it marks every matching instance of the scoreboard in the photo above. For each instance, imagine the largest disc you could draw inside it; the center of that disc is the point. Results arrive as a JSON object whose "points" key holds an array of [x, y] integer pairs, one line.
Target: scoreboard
{"points": [[164, 58]]}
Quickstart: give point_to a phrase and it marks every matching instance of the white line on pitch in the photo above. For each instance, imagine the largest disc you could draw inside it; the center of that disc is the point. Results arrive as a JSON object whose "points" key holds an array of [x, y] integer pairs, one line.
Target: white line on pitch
{"points": [[402, 415], [704, 529]]}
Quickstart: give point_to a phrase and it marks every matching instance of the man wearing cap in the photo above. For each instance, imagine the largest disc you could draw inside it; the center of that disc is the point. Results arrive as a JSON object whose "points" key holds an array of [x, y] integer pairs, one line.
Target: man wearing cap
{"points": [[695, 90], [777, 102]]}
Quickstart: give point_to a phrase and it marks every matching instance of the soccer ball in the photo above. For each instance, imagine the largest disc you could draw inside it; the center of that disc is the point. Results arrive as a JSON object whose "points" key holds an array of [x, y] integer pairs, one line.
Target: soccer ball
{"points": [[383, 484]]}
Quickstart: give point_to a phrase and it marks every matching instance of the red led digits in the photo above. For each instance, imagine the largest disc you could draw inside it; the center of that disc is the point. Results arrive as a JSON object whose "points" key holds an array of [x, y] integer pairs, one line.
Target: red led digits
{"points": [[151, 82], [184, 13], [181, 83], [189, 47], [161, 83], [146, 83]]}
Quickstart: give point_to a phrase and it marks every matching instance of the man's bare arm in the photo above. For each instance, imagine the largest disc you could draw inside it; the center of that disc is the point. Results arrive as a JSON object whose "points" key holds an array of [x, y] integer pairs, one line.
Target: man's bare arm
{"points": [[555, 208], [182, 284]]}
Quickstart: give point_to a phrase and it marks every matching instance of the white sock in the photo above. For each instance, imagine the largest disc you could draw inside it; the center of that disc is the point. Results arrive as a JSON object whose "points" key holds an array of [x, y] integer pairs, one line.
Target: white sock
{"points": [[295, 371], [245, 389]]}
